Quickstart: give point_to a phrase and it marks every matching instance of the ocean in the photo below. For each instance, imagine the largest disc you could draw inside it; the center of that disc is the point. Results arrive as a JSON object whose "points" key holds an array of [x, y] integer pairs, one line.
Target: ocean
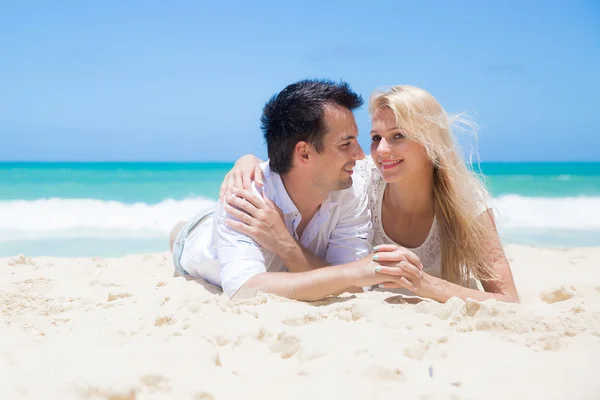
{"points": [[114, 209]]}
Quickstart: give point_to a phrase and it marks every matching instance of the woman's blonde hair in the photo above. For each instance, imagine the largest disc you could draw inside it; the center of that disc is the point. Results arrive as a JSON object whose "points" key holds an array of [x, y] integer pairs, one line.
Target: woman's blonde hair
{"points": [[459, 192]]}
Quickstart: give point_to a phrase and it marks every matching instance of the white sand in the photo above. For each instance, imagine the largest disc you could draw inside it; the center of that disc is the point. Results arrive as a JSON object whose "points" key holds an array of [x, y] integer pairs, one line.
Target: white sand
{"points": [[125, 328]]}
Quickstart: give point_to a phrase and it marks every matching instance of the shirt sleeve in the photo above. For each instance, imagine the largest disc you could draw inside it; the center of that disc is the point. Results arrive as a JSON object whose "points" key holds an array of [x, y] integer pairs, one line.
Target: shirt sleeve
{"points": [[240, 257], [352, 236]]}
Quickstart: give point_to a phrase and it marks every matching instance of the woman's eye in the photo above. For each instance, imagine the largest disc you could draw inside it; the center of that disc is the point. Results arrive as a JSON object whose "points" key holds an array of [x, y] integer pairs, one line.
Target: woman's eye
{"points": [[398, 136], [375, 138]]}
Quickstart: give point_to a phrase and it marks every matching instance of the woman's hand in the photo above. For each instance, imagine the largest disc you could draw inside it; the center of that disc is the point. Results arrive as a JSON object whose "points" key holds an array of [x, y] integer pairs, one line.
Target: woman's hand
{"points": [[398, 268], [260, 219], [245, 170], [390, 266]]}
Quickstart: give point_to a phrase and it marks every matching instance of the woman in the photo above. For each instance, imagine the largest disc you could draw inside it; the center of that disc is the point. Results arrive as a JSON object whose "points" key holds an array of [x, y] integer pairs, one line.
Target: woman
{"points": [[424, 198]]}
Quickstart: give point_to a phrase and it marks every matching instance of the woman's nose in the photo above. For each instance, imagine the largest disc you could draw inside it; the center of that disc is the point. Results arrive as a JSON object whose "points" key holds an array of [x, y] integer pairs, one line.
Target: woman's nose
{"points": [[383, 147]]}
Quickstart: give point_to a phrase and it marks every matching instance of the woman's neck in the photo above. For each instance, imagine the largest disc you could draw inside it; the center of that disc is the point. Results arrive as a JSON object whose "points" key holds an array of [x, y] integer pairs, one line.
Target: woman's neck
{"points": [[412, 196]]}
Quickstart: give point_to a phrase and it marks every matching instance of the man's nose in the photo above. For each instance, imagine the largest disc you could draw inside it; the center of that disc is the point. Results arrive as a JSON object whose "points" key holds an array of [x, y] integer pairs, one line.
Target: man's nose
{"points": [[358, 153]]}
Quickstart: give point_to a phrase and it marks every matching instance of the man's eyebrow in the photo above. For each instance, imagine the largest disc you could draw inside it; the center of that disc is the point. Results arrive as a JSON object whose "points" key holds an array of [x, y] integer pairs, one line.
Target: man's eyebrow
{"points": [[348, 137]]}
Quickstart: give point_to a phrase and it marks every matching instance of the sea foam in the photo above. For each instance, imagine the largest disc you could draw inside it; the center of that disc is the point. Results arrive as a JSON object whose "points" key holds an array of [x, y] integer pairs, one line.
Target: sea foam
{"points": [[573, 213], [56, 217], [93, 218]]}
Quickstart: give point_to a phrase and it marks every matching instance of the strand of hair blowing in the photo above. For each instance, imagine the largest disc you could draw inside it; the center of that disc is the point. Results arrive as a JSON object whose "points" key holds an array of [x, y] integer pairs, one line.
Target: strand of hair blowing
{"points": [[464, 239]]}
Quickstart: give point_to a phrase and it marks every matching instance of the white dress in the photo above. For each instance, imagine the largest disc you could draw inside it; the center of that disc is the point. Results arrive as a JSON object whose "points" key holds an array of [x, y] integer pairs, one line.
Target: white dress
{"points": [[429, 252]]}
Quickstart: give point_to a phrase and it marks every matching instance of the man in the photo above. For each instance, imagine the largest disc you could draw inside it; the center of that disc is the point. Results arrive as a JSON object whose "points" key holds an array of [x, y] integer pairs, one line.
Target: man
{"points": [[312, 145]]}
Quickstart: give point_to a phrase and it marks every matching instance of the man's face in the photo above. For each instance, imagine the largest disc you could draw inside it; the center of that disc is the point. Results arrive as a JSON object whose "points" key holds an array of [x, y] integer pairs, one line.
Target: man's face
{"points": [[334, 166]]}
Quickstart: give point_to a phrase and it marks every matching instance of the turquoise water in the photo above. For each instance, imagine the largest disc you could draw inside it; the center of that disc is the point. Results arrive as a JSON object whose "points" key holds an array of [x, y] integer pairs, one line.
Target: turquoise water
{"points": [[543, 179], [124, 182], [111, 209], [155, 182]]}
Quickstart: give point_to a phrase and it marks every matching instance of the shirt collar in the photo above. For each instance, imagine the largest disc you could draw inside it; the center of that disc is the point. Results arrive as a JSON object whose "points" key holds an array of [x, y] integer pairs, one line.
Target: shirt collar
{"points": [[280, 194], [282, 198]]}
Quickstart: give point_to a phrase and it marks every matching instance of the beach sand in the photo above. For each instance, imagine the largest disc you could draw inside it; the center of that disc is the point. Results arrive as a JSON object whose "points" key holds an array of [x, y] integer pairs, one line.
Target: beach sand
{"points": [[125, 328]]}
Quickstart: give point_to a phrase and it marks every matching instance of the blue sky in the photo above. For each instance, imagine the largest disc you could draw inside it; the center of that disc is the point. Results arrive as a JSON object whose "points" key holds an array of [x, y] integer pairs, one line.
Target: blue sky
{"points": [[186, 80]]}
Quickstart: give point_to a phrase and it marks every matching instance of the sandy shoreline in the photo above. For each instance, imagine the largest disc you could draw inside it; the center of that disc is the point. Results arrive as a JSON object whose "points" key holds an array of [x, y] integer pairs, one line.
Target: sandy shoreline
{"points": [[125, 328]]}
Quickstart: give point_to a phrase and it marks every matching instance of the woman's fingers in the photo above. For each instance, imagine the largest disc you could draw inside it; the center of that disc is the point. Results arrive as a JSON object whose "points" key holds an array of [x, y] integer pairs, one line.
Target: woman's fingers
{"points": [[400, 283], [246, 182], [237, 181], [391, 252], [389, 257], [412, 258], [390, 285], [258, 176], [385, 247], [226, 187], [400, 269]]}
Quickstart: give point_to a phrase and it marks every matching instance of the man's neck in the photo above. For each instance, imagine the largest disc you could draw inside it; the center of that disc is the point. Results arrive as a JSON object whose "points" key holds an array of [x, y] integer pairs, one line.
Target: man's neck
{"points": [[306, 197]]}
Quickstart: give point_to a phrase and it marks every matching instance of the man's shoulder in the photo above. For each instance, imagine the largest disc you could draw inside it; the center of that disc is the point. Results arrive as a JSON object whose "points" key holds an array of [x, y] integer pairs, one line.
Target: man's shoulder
{"points": [[266, 169], [269, 179], [269, 176]]}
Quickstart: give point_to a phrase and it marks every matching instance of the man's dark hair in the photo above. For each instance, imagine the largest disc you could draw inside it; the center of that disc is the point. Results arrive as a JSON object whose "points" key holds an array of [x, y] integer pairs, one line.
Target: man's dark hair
{"points": [[296, 114]]}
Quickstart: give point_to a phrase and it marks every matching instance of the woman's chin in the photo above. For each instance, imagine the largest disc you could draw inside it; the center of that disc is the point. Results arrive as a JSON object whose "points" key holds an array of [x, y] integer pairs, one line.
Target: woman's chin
{"points": [[390, 177]]}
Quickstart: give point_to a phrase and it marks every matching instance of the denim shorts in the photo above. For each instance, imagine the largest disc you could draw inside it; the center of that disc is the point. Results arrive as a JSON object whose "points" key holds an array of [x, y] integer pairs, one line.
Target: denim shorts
{"points": [[182, 236]]}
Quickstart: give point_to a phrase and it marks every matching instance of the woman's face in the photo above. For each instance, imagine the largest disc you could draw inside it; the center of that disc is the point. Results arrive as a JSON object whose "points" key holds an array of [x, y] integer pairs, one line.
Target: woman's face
{"points": [[396, 156]]}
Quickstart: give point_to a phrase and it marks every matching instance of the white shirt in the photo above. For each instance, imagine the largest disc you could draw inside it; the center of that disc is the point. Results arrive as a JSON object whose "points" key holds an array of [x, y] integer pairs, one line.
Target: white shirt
{"points": [[340, 232]]}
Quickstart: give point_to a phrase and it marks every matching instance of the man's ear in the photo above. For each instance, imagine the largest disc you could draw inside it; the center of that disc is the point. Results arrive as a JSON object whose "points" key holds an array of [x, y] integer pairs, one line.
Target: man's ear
{"points": [[302, 152]]}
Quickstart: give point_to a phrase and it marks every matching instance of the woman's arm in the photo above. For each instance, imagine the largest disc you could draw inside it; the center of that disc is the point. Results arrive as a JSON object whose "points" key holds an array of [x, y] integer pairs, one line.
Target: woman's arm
{"points": [[504, 288], [245, 170], [501, 289]]}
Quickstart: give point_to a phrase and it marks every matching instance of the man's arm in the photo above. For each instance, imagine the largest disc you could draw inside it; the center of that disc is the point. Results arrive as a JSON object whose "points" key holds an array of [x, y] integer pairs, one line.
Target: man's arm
{"points": [[309, 285], [320, 283], [243, 272], [347, 251], [243, 269], [240, 258], [299, 259], [259, 218], [350, 239]]}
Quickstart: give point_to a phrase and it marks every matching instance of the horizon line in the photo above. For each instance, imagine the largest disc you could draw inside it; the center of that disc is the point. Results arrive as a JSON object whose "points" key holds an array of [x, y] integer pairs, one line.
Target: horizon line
{"points": [[233, 161]]}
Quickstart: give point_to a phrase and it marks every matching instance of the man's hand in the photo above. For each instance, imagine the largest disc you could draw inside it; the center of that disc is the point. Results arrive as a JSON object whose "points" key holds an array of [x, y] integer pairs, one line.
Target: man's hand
{"points": [[260, 219]]}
